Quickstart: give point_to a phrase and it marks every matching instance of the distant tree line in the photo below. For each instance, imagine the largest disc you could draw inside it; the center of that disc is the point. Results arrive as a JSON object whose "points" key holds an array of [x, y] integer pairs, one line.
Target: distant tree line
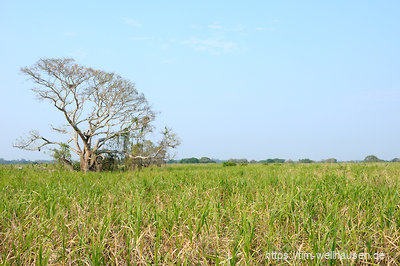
{"points": [[275, 160], [23, 161], [204, 160], [193, 160]]}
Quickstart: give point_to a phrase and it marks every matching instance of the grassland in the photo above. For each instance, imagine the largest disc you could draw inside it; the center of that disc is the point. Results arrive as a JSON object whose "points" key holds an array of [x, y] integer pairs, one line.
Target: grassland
{"points": [[205, 214]]}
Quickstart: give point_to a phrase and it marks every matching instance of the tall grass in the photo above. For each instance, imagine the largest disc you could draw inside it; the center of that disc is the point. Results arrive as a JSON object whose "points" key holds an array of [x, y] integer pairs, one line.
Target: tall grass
{"points": [[205, 214]]}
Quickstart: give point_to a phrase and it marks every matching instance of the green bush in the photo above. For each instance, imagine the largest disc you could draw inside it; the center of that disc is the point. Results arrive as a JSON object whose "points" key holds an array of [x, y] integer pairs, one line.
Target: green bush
{"points": [[229, 164]]}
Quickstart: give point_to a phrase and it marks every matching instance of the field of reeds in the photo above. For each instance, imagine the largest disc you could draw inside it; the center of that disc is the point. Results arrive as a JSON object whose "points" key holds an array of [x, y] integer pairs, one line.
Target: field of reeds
{"points": [[203, 214]]}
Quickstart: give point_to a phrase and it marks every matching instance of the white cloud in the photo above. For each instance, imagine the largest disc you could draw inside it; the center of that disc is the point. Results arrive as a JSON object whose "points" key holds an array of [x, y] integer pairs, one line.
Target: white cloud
{"points": [[131, 22], [217, 26], [265, 29], [212, 45]]}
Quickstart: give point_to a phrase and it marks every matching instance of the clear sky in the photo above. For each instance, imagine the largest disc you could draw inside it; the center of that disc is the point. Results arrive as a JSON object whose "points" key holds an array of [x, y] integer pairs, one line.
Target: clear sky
{"points": [[234, 79]]}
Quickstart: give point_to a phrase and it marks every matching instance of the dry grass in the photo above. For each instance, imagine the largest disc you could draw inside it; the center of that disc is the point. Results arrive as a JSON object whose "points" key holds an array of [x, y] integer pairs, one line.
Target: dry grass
{"points": [[205, 214]]}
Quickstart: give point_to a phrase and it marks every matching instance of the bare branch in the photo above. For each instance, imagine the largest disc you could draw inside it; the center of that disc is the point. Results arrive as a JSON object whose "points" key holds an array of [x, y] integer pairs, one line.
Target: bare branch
{"points": [[34, 142], [99, 108]]}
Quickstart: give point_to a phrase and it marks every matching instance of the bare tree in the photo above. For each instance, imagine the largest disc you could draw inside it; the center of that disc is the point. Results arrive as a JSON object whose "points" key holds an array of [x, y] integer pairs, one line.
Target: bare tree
{"points": [[98, 107]]}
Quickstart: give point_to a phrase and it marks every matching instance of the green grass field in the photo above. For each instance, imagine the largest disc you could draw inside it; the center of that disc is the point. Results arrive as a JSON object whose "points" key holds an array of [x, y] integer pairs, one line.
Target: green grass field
{"points": [[203, 214]]}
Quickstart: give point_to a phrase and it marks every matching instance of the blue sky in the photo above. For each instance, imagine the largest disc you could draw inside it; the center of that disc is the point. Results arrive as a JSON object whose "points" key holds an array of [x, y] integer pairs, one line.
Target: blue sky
{"points": [[234, 79]]}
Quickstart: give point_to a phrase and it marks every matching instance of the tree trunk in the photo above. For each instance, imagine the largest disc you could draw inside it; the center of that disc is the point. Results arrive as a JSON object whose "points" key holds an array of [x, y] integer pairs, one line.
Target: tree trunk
{"points": [[84, 162], [98, 167]]}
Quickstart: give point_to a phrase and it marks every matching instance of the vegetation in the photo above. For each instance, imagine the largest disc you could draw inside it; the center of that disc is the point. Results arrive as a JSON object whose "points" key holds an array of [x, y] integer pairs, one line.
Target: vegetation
{"points": [[229, 163], [23, 161], [372, 159], [238, 161], [306, 160], [190, 160], [199, 214], [275, 160], [62, 155], [330, 160], [147, 147], [206, 160], [105, 116]]}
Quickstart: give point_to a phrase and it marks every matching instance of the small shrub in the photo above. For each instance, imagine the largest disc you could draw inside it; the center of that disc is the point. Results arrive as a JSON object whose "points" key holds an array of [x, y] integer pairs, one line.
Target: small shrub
{"points": [[229, 164], [76, 165]]}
